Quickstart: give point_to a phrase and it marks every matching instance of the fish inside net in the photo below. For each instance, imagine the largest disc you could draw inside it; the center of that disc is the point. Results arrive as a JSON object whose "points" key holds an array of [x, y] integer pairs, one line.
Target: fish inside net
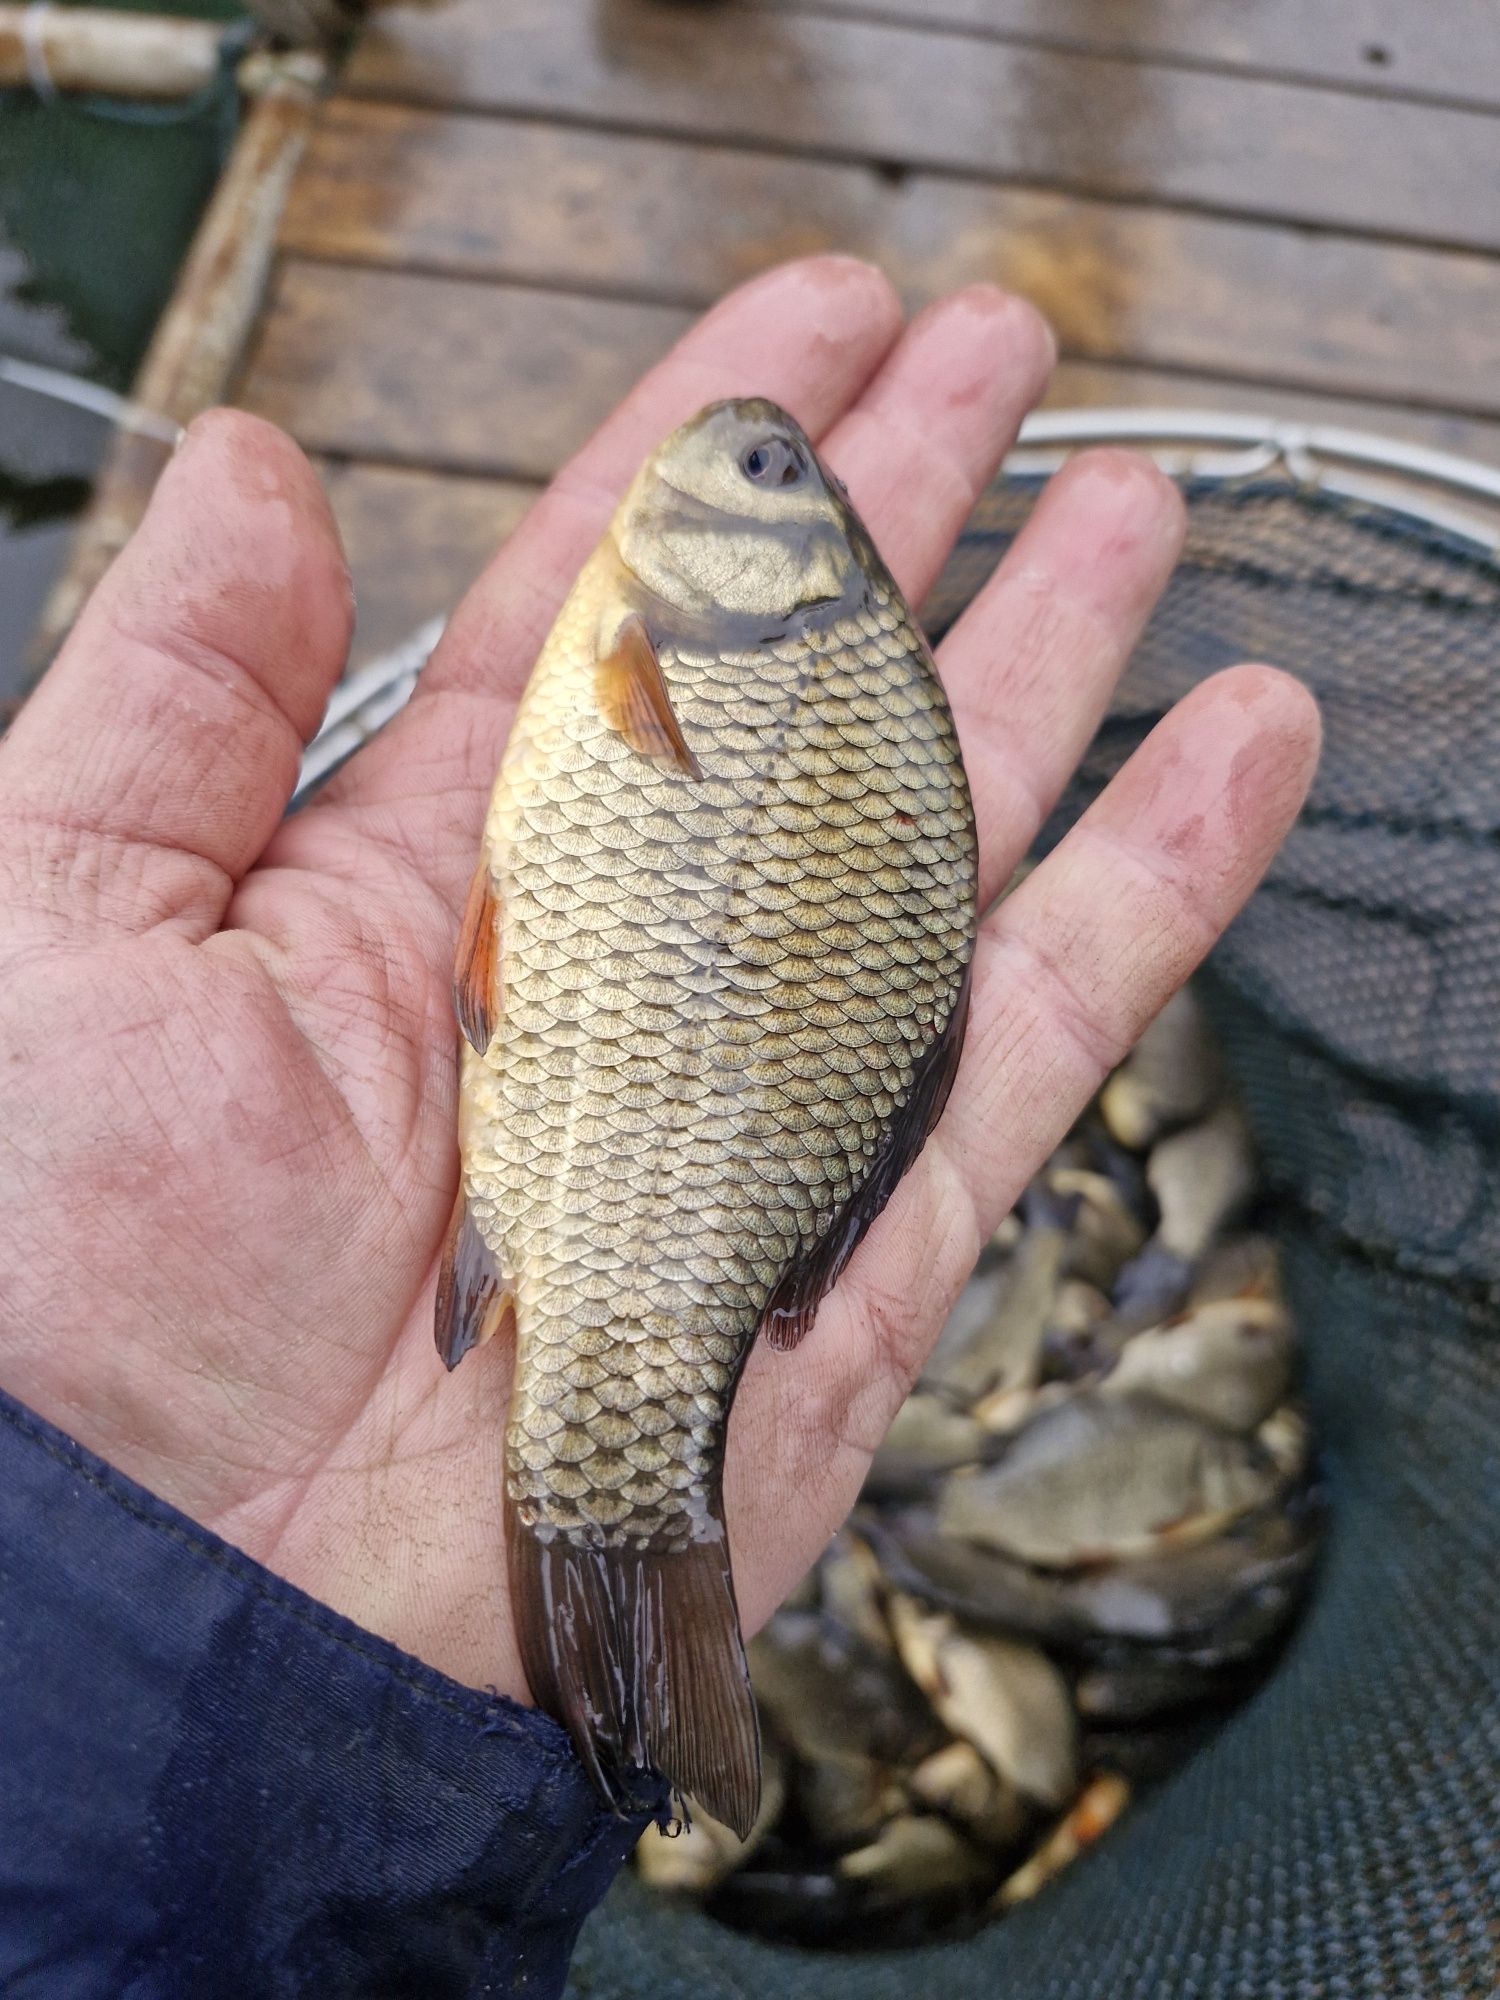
{"points": [[1339, 1837]]}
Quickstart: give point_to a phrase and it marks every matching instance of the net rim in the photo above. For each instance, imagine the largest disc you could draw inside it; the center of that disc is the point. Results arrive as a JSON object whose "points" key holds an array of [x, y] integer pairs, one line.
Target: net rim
{"points": [[1357, 465]]}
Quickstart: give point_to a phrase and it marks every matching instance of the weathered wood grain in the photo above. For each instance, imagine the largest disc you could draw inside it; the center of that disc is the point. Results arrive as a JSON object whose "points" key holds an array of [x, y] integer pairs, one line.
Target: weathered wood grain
{"points": [[150, 56], [483, 378], [415, 541], [862, 89], [517, 200], [1450, 49], [507, 380]]}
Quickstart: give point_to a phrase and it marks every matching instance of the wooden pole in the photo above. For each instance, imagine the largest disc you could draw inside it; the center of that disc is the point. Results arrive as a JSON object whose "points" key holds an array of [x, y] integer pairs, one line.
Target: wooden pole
{"points": [[202, 334], [118, 55]]}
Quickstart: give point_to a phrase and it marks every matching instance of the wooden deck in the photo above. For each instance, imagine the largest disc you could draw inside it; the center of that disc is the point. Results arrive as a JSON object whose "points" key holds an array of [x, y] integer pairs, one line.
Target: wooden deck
{"points": [[510, 207]]}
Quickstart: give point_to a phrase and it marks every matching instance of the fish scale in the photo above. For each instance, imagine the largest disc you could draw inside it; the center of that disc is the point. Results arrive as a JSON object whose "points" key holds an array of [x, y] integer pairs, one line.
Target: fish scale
{"points": [[731, 914], [563, 1168]]}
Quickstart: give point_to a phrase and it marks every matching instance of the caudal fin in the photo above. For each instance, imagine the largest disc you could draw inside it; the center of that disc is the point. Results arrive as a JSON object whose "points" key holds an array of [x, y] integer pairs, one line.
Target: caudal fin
{"points": [[638, 1652]]}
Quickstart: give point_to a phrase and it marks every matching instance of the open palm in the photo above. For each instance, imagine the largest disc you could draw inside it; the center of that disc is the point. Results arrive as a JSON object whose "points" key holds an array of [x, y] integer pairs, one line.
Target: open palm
{"points": [[227, 1052]]}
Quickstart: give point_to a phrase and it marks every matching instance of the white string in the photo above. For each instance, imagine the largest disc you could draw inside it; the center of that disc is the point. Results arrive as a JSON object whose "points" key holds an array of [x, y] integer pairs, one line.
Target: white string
{"points": [[34, 48], [65, 388]]}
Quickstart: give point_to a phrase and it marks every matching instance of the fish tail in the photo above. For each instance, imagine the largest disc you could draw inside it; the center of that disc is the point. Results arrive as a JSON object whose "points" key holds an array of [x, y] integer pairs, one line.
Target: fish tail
{"points": [[638, 1652]]}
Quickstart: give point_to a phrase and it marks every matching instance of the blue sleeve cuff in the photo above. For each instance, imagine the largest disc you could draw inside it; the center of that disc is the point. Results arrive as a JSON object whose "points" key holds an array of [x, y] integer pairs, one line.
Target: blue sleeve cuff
{"points": [[212, 1785]]}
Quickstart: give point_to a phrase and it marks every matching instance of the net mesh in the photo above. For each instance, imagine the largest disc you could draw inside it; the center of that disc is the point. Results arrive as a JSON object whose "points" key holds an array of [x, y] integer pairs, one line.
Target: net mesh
{"points": [[1339, 1837]]}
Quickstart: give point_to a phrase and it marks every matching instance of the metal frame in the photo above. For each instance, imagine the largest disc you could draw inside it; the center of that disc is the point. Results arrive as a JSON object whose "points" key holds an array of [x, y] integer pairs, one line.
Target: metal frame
{"points": [[1315, 455], [362, 702]]}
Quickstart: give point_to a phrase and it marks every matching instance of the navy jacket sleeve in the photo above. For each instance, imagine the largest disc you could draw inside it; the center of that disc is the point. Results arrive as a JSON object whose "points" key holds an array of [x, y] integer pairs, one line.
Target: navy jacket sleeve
{"points": [[213, 1786]]}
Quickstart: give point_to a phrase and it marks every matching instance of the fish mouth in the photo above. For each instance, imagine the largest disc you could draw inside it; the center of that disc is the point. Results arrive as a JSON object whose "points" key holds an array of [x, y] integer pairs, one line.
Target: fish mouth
{"points": [[709, 485], [745, 420], [750, 415]]}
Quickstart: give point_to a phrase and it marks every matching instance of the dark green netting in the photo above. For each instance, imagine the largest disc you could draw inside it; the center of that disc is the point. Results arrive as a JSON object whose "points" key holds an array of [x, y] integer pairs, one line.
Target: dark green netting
{"points": [[1339, 1838]]}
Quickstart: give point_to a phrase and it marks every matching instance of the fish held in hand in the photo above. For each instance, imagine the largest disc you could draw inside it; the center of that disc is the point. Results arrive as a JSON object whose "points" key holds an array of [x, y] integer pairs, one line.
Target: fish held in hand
{"points": [[712, 979]]}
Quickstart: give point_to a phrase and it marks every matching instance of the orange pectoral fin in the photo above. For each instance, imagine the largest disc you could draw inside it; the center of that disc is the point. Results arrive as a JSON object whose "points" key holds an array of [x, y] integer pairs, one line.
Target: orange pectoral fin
{"points": [[634, 701], [472, 1303], [476, 968]]}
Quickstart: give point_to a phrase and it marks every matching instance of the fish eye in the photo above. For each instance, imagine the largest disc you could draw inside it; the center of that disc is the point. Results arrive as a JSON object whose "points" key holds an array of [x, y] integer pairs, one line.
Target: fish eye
{"points": [[773, 462]]}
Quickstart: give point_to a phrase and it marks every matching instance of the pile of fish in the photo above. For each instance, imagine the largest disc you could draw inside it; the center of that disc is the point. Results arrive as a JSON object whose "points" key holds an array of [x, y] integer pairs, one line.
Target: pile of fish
{"points": [[1084, 1537]]}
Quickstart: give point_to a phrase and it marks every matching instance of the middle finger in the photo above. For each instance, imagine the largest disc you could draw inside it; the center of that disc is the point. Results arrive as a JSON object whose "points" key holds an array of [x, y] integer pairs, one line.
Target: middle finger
{"points": [[1031, 664], [927, 434]]}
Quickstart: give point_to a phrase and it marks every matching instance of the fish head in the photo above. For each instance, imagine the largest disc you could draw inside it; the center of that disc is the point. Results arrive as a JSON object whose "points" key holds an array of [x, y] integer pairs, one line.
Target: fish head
{"points": [[733, 514]]}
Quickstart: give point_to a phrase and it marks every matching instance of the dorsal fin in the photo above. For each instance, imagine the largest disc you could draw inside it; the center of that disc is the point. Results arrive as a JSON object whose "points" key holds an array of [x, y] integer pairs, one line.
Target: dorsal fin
{"points": [[476, 966], [634, 701]]}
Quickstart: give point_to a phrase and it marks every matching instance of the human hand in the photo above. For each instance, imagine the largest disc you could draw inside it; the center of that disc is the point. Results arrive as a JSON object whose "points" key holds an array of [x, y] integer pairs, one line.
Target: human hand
{"points": [[227, 1050]]}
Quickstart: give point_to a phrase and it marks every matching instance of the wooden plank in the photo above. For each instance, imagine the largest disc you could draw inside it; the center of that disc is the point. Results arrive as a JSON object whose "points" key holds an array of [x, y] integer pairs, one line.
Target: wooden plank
{"points": [[507, 380], [871, 90], [1451, 49], [415, 541], [492, 379], [500, 198]]}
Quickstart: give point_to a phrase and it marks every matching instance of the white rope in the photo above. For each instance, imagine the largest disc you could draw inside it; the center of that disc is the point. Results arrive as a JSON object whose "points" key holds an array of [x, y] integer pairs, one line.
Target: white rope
{"points": [[34, 48], [93, 396]]}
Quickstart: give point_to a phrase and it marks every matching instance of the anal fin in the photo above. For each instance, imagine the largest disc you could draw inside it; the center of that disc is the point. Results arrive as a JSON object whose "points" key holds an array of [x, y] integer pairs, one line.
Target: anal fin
{"points": [[637, 1651], [634, 700], [472, 1302], [476, 966]]}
